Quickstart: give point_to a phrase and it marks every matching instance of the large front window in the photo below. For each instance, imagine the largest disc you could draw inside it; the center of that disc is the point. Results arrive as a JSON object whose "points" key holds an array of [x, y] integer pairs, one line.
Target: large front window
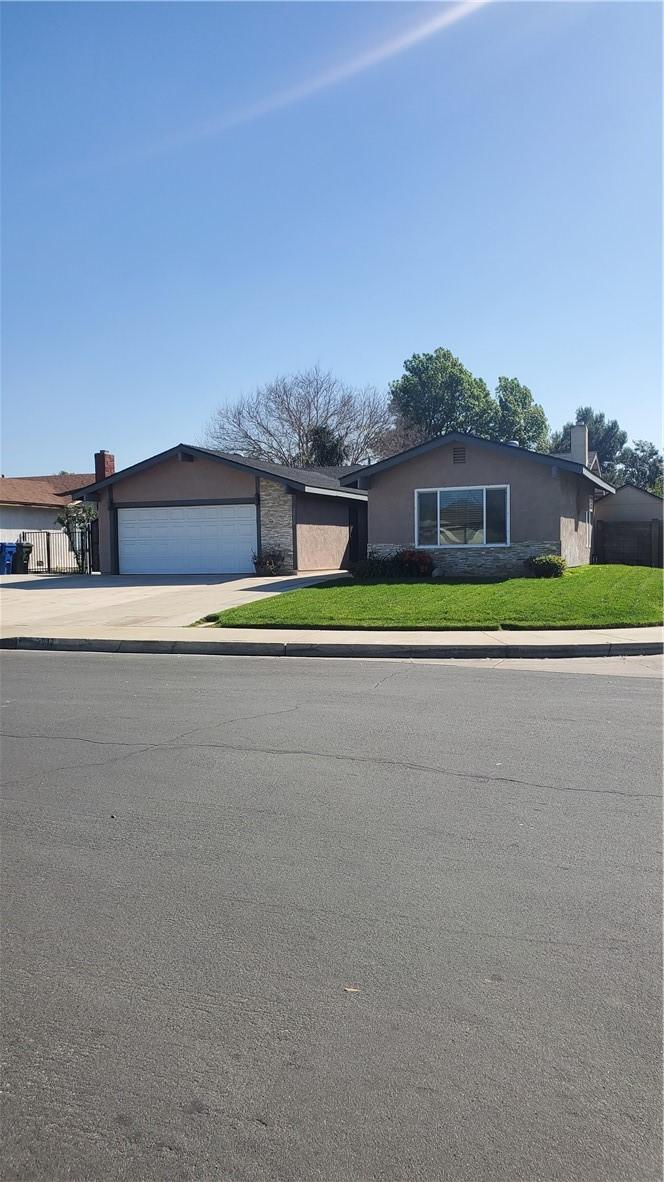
{"points": [[462, 516]]}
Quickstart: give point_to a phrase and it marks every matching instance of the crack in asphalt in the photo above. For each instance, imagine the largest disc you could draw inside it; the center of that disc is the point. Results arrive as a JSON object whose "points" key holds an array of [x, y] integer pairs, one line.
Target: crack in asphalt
{"points": [[476, 777], [388, 677], [166, 744], [420, 767]]}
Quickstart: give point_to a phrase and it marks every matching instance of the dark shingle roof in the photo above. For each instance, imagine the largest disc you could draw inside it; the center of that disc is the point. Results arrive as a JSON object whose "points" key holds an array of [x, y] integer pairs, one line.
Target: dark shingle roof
{"points": [[311, 476]]}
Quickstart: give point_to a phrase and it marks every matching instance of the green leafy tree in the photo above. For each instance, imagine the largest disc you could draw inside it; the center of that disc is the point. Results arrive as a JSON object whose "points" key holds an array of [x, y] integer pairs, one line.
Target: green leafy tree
{"points": [[76, 518], [324, 448], [436, 394], [519, 417], [606, 438], [641, 465]]}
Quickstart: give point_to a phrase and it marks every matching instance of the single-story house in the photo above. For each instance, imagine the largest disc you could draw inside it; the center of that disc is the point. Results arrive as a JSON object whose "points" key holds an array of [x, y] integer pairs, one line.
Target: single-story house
{"points": [[192, 510], [34, 502], [481, 507], [477, 506], [629, 504]]}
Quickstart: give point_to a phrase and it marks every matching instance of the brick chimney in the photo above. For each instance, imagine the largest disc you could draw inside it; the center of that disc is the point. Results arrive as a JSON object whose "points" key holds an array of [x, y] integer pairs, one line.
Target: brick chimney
{"points": [[579, 444], [104, 465]]}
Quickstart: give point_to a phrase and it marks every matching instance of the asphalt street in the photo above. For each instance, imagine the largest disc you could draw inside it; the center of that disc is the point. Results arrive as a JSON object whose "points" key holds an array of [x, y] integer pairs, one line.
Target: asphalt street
{"points": [[287, 920]]}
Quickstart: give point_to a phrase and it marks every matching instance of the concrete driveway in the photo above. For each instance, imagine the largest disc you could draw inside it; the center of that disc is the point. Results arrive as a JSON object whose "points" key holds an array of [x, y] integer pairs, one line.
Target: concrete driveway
{"points": [[32, 602]]}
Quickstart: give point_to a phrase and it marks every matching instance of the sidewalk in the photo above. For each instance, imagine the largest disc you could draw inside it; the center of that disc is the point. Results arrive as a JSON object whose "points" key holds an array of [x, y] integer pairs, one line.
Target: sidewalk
{"points": [[309, 643]]}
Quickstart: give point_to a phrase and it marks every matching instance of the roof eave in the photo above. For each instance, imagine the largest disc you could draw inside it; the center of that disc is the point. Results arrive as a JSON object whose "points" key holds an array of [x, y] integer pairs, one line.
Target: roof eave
{"points": [[597, 480], [346, 494], [452, 436], [189, 449], [30, 504]]}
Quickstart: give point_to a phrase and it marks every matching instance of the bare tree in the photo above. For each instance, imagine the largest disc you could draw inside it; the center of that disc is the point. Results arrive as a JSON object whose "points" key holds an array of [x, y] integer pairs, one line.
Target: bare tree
{"points": [[400, 437], [278, 423]]}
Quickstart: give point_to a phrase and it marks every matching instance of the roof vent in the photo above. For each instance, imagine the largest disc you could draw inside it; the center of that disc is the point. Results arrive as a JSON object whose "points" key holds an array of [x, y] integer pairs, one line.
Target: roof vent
{"points": [[513, 443], [458, 455]]}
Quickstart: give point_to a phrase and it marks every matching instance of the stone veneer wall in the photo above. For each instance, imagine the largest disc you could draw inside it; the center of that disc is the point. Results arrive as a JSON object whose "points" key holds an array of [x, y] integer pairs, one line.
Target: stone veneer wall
{"points": [[276, 510], [456, 562]]}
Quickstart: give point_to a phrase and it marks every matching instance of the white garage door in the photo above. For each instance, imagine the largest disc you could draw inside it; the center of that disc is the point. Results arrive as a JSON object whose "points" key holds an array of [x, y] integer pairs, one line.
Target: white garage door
{"points": [[189, 539]]}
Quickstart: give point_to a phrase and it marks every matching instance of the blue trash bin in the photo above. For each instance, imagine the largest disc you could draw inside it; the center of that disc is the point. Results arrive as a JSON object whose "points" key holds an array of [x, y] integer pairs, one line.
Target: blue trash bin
{"points": [[7, 552]]}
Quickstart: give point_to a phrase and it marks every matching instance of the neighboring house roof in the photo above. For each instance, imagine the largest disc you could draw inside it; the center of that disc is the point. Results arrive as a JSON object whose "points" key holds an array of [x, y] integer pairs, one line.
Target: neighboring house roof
{"points": [[40, 491], [539, 457], [593, 459], [299, 479], [61, 481], [646, 491]]}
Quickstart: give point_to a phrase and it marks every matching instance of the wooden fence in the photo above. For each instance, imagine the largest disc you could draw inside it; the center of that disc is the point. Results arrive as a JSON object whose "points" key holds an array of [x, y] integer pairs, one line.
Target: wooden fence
{"points": [[635, 543]]}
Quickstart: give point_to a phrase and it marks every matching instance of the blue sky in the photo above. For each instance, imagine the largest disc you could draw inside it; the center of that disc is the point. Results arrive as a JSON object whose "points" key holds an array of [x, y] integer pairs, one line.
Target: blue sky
{"points": [[173, 237]]}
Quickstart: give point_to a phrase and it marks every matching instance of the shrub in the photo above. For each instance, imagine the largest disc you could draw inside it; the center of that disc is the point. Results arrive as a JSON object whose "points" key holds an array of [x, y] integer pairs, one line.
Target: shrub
{"points": [[546, 566], [403, 564], [77, 519], [414, 562], [269, 561], [371, 568]]}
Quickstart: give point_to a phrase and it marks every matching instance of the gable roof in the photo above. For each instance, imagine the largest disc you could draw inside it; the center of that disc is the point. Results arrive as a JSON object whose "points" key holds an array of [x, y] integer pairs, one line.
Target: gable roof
{"points": [[539, 457], [299, 479], [593, 460], [40, 491], [646, 491]]}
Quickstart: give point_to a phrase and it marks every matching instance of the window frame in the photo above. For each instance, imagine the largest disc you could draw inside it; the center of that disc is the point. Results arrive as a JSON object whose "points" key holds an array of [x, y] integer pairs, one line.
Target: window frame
{"points": [[463, 545]]}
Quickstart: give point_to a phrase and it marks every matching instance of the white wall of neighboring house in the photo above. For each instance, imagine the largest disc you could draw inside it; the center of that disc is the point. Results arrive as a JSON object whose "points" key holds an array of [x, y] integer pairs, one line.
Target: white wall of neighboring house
{"points": [[15, 518]]}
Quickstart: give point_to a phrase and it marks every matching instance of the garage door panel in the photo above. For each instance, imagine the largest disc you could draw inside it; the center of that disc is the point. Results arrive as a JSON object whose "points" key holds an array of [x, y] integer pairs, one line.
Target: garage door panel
{"points": [[187, 539]]}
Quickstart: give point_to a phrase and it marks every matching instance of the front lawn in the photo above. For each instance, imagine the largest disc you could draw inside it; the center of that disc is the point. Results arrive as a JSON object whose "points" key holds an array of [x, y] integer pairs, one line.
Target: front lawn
{"points": [[585, 597]]}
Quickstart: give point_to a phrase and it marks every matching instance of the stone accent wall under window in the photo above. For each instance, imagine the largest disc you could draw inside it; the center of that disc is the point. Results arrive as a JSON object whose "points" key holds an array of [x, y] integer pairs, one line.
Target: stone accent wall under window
{"points": [[458, 562], [276, 509]]}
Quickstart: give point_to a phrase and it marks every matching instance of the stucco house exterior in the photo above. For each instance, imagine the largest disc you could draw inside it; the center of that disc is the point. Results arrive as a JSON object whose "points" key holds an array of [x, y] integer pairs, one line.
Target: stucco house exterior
{"points": [[194, 510], [479, 507]]}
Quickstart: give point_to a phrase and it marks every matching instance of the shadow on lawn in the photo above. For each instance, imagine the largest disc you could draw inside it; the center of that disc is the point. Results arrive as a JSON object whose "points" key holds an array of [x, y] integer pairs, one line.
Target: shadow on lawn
{"points": [[419, 582]]}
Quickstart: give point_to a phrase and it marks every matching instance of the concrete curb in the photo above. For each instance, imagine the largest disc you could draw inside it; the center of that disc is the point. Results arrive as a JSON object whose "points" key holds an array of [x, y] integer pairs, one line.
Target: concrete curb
{"points": [[258, 648]]}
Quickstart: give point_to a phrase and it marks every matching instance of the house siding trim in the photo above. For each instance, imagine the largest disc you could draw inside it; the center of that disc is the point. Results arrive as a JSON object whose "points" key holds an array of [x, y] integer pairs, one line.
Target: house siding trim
{"points": [[180, 503], [115, 537]]}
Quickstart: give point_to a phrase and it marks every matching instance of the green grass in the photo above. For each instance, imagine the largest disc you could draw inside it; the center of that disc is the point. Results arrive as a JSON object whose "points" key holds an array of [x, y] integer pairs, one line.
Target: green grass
{"points": [[585, 597]]}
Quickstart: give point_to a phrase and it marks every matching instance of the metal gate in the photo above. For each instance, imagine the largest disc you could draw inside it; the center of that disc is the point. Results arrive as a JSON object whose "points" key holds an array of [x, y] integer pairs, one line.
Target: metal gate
{"points": [[52, 552]]}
